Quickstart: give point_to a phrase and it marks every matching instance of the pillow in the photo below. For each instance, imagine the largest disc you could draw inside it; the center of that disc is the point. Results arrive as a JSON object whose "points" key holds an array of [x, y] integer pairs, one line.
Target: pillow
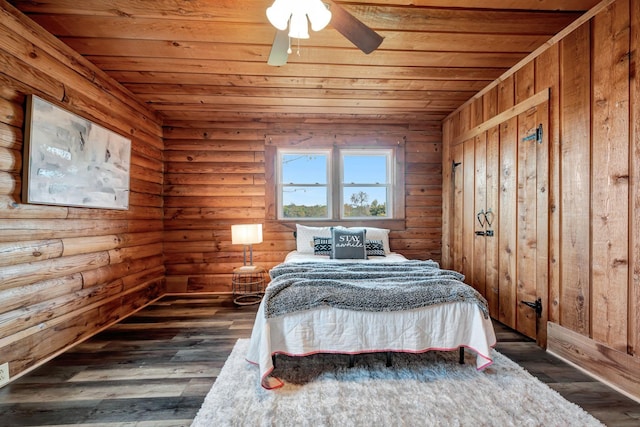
{"points": [[376, 234], [322, 246], [374, 248], [348, 244], [305, 234]]}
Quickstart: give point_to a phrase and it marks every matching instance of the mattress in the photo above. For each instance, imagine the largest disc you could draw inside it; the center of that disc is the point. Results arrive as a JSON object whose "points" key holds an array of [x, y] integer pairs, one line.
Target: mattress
{"points": [[324, 329]]}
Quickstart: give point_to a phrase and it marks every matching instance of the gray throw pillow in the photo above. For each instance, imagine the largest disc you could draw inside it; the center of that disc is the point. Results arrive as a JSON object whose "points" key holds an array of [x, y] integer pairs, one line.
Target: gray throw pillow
{"points": [[348, 244]]}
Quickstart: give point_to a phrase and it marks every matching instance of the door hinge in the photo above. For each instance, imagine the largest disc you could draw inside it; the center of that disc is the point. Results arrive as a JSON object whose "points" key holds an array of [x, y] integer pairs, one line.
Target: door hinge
{"points": [[536, 305], [536, 136]]}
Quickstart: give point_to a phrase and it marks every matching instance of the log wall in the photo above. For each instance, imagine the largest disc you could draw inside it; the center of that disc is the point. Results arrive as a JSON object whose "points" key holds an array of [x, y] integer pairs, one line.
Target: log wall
{"points": [[594, 198], [67, 272], [215, 177]]}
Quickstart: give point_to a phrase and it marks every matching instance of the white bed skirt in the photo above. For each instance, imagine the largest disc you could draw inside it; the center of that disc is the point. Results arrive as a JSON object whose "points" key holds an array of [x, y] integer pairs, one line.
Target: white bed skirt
{"points": [[445, 326]]}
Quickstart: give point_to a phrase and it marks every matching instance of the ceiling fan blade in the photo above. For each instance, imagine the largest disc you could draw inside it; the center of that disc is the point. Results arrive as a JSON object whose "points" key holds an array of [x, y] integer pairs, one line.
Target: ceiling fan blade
{"points": [[353, 29], [278, 55]]}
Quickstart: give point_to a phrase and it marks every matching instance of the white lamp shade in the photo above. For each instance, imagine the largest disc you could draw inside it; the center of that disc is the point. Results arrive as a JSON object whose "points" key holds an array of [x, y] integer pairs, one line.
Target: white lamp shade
{"points": [[246, 234], [318, 14], [279, 14], [299, 26]]}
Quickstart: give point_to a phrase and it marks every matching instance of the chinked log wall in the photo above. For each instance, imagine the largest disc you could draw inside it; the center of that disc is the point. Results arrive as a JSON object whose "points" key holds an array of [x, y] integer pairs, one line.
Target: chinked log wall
{"points": [[66, 273], [215, 177], [594, 217]]}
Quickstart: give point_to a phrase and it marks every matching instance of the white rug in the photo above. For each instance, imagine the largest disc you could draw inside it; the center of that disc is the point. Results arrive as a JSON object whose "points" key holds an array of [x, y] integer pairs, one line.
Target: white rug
{"points": [[430, 389]]}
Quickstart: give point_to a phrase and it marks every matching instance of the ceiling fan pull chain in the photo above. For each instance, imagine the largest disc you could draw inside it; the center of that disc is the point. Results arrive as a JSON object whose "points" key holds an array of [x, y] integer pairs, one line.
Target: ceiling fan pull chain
{"points": [[298, 52], [289, 49]]}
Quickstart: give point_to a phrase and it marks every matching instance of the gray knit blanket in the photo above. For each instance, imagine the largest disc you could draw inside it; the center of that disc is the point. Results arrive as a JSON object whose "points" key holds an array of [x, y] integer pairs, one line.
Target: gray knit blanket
{"points": [[365, 287]]}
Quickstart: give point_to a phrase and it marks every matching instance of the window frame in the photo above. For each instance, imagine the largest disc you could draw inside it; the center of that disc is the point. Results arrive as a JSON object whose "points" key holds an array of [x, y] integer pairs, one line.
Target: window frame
{"points": [[395, 143]]}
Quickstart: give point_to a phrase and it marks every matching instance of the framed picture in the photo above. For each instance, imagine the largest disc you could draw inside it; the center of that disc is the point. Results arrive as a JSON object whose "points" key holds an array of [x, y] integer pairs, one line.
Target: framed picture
{"points": [[71, 161]]}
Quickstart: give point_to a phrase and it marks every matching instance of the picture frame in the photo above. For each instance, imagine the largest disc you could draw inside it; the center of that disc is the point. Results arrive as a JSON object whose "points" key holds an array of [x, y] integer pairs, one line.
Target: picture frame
{"points": [[71, 161]]}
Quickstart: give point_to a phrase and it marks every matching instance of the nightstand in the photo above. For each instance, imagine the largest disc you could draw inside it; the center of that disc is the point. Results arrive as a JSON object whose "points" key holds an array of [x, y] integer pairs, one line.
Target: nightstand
{"points": [[247, 284]]}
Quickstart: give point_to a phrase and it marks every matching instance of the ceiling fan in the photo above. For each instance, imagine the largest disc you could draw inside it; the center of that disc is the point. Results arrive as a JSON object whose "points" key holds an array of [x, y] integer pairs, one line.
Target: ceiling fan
{"points": [[363, 37]]}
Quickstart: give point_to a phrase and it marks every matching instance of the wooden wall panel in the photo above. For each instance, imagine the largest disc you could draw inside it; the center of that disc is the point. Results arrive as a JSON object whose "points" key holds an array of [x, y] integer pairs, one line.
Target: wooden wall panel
{"points": [[507, 220], [490, 110], [493, 204], [548, 76], [216, 177], [447, 197], [575, 165], [592, 220], [633, 303], [525, 82], [610, 176], [480, 205], [542, 222], [457, 207], [468, 209], [67, 273], [526, 230]]}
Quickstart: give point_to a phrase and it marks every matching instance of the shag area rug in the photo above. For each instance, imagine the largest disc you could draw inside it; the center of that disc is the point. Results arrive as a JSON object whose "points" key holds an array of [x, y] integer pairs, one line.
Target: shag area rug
{"points": [[428, 389]]}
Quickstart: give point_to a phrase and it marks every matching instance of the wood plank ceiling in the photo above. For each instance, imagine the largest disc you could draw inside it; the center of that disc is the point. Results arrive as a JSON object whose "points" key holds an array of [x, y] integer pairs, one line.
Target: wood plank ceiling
{"points": [[202, 59]]}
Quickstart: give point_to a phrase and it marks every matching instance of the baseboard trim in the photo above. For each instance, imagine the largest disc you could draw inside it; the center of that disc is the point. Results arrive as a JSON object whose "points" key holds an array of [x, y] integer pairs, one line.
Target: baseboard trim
{"points": [[616, 369]]}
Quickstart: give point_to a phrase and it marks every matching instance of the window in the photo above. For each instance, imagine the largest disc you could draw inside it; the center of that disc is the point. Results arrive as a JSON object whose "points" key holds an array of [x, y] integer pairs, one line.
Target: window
{"points": [[304, 184], [327, 184], [366, 184]]}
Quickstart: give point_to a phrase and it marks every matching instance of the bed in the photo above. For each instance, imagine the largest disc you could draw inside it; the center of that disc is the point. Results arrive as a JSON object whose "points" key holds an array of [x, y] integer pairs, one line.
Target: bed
{"points": [[384, 302]]}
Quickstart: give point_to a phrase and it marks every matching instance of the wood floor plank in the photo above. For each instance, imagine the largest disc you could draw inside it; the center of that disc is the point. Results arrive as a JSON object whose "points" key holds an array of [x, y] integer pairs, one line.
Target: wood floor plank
{"points": [[155, 368]]}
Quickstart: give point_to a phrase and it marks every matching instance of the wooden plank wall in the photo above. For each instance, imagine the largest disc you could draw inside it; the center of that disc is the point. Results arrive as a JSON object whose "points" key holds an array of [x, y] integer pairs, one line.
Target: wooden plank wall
{"points": [[215, 177], [593, 189], [66, 273]]}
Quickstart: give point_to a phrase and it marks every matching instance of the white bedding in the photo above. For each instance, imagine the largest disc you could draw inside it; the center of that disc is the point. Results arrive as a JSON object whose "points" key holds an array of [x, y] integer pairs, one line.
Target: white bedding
{"points": [[325, 329]]}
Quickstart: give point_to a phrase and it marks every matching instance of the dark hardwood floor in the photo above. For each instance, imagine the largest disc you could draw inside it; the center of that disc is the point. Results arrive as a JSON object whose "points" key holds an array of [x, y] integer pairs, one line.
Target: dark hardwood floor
{"points": [[155, 368]]}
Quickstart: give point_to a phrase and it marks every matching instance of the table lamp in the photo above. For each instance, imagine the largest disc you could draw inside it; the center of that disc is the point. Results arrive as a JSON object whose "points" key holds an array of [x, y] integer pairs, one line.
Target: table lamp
{"points": [[247, 235]]}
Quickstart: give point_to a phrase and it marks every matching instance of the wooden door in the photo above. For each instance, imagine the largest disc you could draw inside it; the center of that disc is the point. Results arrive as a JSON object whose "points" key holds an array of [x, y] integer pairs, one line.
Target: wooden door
{"points": [[532, 204], [501, 215]]}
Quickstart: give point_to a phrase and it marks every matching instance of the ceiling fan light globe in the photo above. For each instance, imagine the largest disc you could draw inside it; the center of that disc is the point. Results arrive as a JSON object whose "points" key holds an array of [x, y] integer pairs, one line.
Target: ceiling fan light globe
{"points": [[278, 14], [299, 26], [318, 14]]}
